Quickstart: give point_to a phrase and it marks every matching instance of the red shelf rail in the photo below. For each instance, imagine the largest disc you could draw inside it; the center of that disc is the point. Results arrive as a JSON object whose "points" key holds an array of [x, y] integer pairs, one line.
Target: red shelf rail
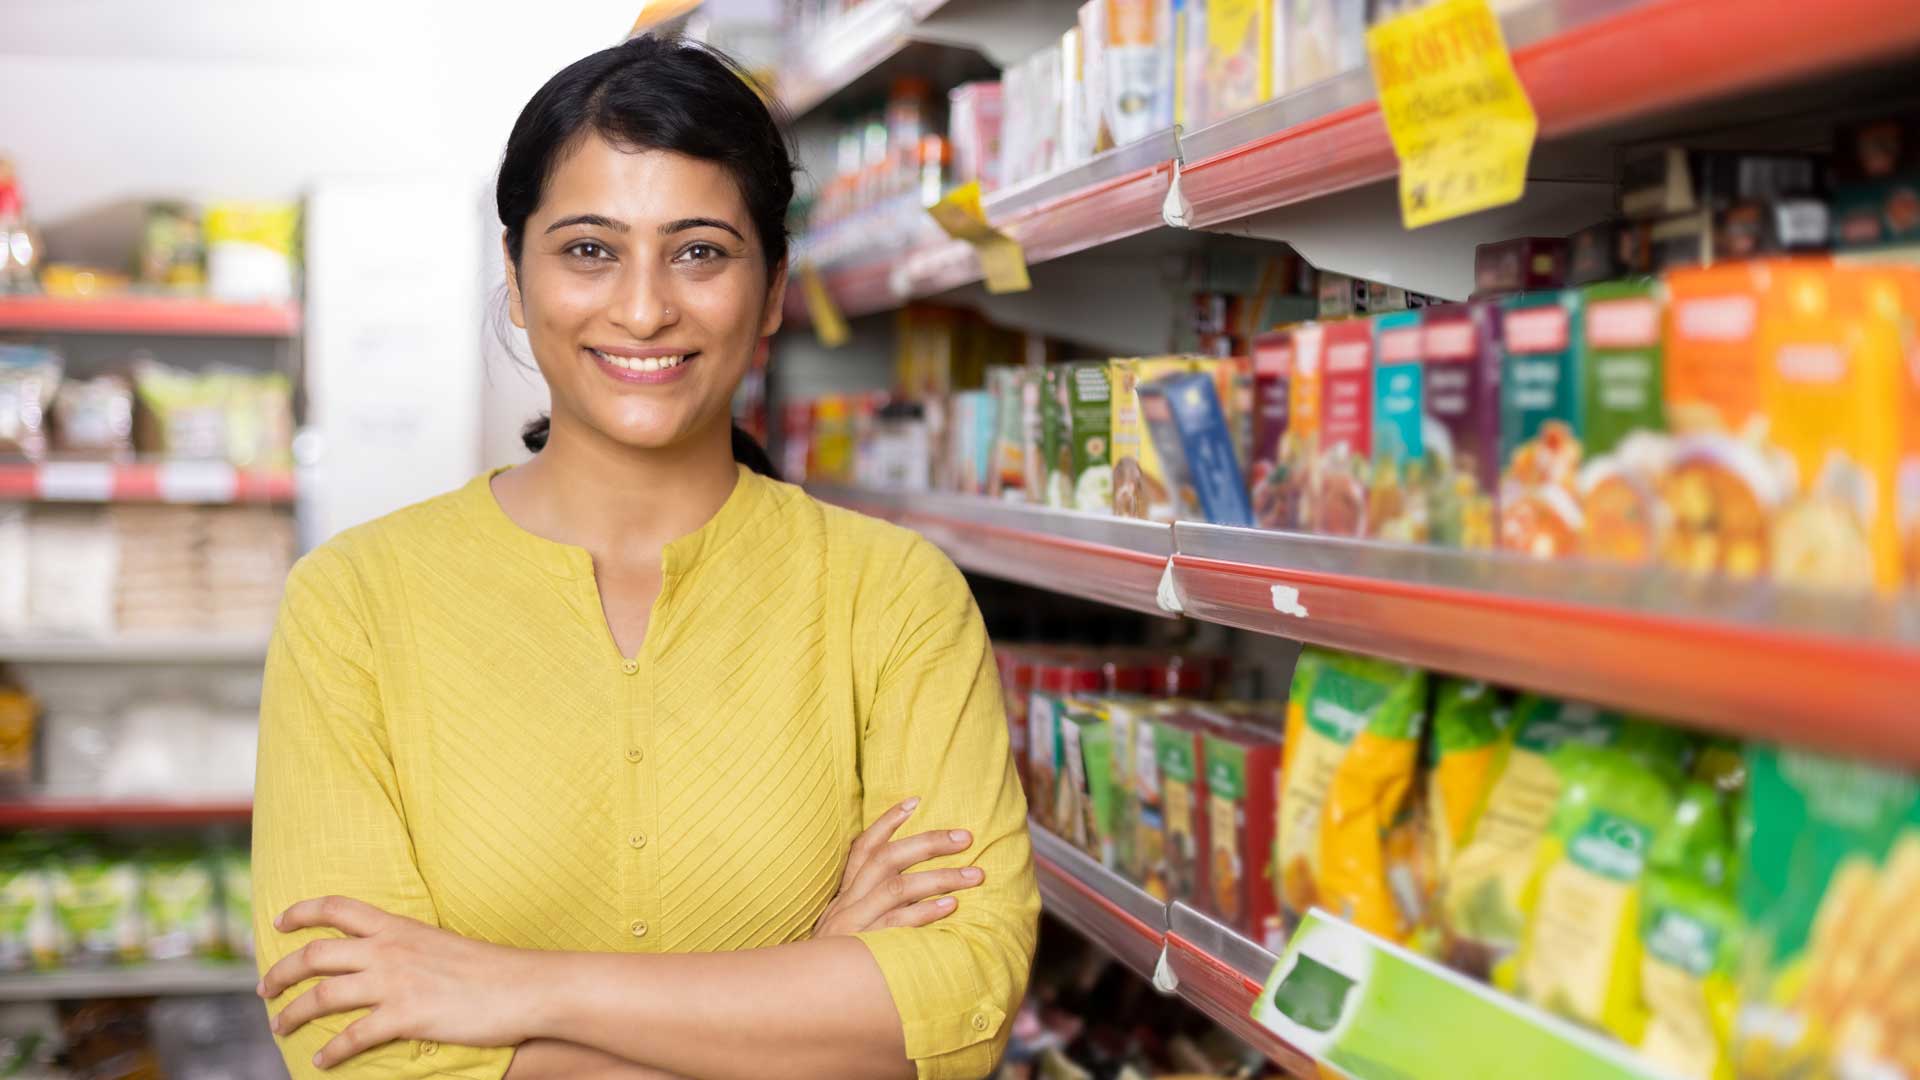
{"points": [[59, 813], [149, 315], [175, 482]]}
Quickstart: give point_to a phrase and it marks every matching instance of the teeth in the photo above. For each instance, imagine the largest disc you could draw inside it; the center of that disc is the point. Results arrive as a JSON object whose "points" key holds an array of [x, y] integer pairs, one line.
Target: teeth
{"points": [[642, 363]]}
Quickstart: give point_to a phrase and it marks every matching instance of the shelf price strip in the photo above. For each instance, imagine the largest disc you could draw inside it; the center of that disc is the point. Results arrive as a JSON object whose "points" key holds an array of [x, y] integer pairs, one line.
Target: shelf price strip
{"points": [[1461, 124], [1364, 1008]]}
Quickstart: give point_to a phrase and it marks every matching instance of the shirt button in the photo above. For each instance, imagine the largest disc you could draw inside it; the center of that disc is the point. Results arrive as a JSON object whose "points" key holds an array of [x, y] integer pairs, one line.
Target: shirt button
{"points": [[637, 840], [429, 1048], [630, 667], [635, 754], [639, 928], [979, 1021]]}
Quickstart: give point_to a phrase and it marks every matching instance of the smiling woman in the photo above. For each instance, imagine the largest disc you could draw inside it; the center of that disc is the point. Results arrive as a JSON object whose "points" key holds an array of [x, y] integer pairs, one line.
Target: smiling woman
{"points": [[595, 766]]}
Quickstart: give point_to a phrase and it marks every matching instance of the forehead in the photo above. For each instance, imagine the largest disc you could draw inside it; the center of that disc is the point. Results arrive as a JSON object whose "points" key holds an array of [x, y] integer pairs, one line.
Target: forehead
{"points": [[639, 187]]}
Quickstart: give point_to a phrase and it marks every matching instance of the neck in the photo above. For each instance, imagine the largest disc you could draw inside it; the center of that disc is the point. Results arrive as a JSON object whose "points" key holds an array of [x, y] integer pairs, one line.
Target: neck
{"points": [[616, 501]]}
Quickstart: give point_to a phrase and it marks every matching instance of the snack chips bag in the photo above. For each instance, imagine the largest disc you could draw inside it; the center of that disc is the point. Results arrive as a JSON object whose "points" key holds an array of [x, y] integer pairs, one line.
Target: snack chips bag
{"points": [[182, 919], [1353, 734], [1690, 939], [1829, 879], [1470, 724], [1580, 951]]}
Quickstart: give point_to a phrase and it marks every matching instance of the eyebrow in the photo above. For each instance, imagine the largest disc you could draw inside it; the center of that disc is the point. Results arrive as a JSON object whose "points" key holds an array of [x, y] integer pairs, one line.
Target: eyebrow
{"points": [[595, 221], [684, 224]]}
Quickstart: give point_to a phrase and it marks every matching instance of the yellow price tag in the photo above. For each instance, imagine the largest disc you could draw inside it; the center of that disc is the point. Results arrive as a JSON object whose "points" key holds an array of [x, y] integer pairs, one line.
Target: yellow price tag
{"points": [[1460, 121], [1002, 262], [828, 324]]}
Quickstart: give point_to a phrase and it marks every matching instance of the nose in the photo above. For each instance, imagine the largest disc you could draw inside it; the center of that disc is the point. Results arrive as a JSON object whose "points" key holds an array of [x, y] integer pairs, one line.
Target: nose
{"points": [[642, 305]]}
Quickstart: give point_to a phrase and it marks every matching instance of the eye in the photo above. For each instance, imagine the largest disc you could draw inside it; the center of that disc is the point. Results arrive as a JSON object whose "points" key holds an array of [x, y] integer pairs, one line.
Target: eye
{"points": [[701, 251], [589, 250]]}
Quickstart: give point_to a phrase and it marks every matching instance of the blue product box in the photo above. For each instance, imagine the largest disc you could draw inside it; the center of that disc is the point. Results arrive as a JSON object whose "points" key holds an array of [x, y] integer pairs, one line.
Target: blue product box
{"points": [[1190, 431]]}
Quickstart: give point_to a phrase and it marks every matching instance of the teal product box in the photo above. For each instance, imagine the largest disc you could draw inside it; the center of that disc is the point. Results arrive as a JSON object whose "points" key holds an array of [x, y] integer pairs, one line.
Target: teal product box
{"points": [[1397, 390], [1190, 431]]}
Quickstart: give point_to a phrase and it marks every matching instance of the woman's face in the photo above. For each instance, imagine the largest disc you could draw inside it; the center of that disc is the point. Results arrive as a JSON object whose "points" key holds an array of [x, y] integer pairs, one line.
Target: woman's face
{"points": [[643, 290]]}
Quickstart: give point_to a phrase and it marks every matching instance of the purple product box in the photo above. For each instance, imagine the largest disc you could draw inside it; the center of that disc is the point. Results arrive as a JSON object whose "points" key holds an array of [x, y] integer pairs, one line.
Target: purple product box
{"points": [[1460, 346]]}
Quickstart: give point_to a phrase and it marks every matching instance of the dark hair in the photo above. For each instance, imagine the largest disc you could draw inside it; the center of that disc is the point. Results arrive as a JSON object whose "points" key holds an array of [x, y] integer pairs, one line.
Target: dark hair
{"points": [[653, 93]]}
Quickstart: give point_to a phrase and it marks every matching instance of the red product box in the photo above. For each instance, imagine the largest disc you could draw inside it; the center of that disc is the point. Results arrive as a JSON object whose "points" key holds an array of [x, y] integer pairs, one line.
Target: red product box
{"points": [[1241, 809], [1339, 501]]}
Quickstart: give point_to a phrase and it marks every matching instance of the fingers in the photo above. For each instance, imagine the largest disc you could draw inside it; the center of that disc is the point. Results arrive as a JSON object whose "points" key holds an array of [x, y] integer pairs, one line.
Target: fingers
{"points": [[903, 891], [360, 1036], [874, 838], [328, 996], [343, 913], [327, 956], [904, 854], [923, 913]]}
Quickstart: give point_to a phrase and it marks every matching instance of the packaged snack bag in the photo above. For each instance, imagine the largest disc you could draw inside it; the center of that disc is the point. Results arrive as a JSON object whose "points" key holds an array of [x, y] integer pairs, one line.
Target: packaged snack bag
{"points": [[1342, 465], [97, 899], [1239, 56], [1840, 399], [1400, 496], [1460, 354], [1353, 733], [1723, 485], [29, 928], [1190, 431], [1481, 899], [182, 918], [1470, 726], [1540, 435], [1580, 951], [1690, 935], [236, 901], [1624, 418], [1179, 752], [1140, 487], [1830, 871], [1243, 776]]}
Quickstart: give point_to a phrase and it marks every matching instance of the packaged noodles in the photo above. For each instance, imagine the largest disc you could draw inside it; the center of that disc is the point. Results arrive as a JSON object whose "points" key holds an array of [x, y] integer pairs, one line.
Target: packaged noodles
{"points": [[1352, 739], [1829, 884]]}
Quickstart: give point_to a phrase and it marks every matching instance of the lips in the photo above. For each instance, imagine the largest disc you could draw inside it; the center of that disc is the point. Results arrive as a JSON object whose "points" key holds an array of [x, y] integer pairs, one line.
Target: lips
{"points": [[643, 369]]}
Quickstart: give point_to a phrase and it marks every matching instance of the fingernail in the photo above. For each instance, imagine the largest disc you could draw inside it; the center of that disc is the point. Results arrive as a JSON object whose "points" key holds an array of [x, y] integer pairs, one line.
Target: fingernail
{"points": [[945, 902], [959, 836], [260, 990], [910, 804], [972, 873], [316, 1062]]}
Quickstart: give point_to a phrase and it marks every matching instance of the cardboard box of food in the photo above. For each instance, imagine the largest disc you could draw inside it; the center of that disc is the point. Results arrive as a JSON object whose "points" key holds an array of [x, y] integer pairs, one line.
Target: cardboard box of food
{"points": [[1540, 434], [1460, 350]]}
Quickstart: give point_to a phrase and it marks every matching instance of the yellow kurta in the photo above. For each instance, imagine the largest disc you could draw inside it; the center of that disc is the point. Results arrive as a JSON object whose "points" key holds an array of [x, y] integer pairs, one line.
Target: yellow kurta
{"points": [[449, 732]]}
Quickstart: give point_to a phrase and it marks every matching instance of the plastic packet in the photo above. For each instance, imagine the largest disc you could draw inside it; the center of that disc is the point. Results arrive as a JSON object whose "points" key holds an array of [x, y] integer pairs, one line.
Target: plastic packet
{"points": [[94, 417], [1690, 935], [1352, 743], [29, 930], [1470, 723], [235, 868], [1580, 952], [29, 378], [97, 898], [182, 918]]}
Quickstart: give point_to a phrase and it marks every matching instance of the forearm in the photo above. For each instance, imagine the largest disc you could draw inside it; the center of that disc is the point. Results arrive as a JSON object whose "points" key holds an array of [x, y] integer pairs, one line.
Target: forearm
{"points": [[816, 1008], [549, 1059]]}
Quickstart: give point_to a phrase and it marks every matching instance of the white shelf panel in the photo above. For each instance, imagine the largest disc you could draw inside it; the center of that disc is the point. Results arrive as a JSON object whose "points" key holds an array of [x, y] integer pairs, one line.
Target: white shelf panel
{"points": [[157, 649], [147, 980]]}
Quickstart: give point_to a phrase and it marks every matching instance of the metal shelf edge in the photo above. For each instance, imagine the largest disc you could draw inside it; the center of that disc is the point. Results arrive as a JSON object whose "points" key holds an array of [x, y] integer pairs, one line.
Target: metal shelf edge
{"points": [[137, 981]]}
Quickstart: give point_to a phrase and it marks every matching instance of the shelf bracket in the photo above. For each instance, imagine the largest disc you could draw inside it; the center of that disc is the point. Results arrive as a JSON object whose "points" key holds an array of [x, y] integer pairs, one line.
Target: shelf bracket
{"points": [[1168, 594], [1175, 210], [1164, 980]]}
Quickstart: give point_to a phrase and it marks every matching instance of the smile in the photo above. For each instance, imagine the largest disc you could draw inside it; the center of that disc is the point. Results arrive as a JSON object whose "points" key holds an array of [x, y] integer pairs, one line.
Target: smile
{"points": [[649, 369]]}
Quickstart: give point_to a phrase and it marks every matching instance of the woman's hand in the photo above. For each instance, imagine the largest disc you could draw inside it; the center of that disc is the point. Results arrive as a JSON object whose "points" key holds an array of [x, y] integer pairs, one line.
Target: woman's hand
{"points": [[421, 982], [877, 892]]}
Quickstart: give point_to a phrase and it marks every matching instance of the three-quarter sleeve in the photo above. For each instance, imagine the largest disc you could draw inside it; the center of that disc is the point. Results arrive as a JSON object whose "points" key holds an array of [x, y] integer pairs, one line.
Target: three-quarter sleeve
{"points": [[328, 814], [937, 729]]}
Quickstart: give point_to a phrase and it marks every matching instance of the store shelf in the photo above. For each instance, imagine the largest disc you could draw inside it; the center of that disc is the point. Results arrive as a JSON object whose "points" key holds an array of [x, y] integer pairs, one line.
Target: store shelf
{"points": [[172, 482], [1220, 973], [149, 315], [52, 812], [144, 649], [1585, 63], [1100, 905], [1112, 560], [1827, 671], [151, 980]]}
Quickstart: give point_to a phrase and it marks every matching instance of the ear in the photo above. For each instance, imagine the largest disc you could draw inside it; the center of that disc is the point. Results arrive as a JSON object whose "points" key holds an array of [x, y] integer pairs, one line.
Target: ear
{"points": [[516, 309], [776, 309]]}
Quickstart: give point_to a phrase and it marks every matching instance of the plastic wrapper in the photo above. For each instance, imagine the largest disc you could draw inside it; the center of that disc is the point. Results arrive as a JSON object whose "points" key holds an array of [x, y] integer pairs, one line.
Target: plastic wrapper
{"points": [[179, 902], [29, 378], [93, 418], [30, 935], [1690, 936], [73, 554], [97, 898]]}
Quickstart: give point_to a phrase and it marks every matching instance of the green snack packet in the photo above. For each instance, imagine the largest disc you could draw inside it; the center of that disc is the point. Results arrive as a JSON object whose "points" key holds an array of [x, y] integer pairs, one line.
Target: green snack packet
{"points": [[1580, 951], [1470, 723], [29, 929], [1830, 877], [97, 899], [1690, 937], [182, 918], [236, 901]]}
